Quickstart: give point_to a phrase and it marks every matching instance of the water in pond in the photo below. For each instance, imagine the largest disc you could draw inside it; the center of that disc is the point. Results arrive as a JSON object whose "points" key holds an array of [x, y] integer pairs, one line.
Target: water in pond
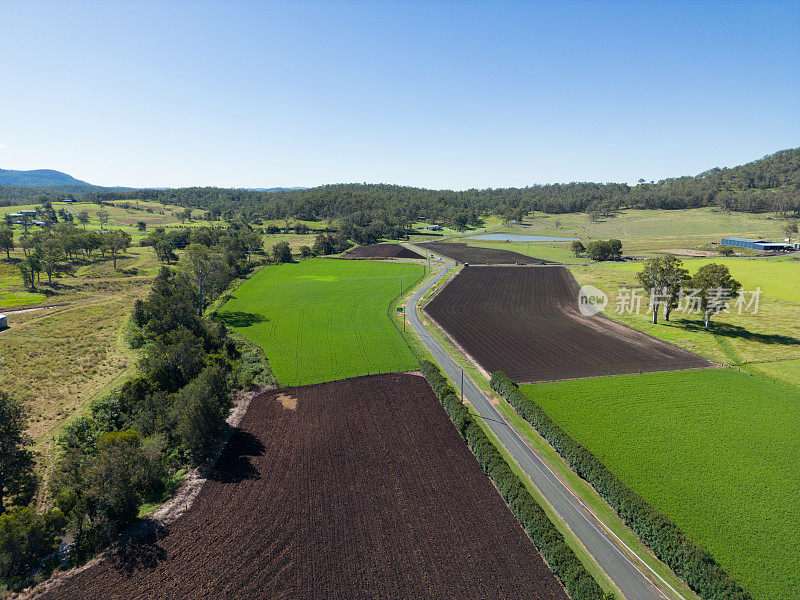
{"points": [[509, 237]]}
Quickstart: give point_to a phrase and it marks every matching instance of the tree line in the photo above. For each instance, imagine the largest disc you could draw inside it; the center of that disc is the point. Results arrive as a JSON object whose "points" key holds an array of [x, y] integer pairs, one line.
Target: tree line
{"points": [[768, 184], [131, 446]]}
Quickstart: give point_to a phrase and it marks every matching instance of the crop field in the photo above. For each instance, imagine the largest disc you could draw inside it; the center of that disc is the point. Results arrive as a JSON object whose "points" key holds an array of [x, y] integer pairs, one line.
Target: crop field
{"points": [[715, 450], [324, 319], [478, 256], [382, 251], [525, 321], [354, 489]]}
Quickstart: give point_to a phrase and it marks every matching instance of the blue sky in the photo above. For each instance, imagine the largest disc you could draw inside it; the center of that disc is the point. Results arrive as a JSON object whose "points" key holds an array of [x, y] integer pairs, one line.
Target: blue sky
{"points": [[434, 94]]}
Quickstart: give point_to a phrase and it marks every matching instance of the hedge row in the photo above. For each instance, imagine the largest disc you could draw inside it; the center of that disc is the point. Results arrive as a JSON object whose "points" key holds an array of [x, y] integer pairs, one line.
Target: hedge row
{"points": [[691, 563], [559, 556]]}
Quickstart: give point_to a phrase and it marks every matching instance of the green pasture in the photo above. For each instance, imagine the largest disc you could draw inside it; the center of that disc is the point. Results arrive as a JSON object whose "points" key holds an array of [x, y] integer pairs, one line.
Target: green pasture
{"points": [[715, 450], [755, 341], [643, 230], [324, 319], [776, 277]]}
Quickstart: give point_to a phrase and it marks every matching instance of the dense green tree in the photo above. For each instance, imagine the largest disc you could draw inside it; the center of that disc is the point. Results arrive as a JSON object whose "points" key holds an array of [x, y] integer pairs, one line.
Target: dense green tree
{"points": [[716, 287], [663, 277], [604, 250], [26, 538], [16, 458], [281, 253], [200, 410], [165, 252], [577, 248]]}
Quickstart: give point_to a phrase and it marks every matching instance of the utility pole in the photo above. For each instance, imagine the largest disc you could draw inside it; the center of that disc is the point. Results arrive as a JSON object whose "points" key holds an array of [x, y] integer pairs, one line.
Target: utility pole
{"points": [[462, 386]]}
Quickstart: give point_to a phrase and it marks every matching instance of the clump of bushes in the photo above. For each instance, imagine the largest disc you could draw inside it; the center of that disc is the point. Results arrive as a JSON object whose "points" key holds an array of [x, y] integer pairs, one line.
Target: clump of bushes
{"points": [[580, 585], [689, 562], [604, 250]]}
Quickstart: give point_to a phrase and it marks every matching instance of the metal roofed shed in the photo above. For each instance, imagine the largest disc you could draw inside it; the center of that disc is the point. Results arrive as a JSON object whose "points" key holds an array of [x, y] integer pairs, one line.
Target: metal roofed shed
{"points": [[753, 244]]}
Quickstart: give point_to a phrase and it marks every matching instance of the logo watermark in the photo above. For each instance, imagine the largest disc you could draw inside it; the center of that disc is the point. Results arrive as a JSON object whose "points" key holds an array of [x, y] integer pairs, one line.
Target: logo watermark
{"points": [[634, 301], [591, 300]]}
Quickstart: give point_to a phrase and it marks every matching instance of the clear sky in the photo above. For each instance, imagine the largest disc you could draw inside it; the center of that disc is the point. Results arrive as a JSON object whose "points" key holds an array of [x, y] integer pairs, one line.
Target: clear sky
{"points": [[435, 94]]}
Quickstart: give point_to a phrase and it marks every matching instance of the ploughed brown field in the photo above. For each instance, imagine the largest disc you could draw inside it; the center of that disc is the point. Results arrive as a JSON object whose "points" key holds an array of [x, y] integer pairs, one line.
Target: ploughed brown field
{"points": [[382, 251], [479, 256], [525, 321], [359, 488]]}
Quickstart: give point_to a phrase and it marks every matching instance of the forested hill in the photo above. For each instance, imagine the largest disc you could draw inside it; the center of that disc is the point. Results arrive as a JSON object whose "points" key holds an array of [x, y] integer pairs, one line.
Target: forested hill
{"points": [[44, 178], [768, 184]]}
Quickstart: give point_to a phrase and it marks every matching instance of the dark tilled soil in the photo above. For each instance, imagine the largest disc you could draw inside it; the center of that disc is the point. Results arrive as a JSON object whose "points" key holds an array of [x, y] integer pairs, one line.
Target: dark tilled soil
{"points": [[525, 321], [382, 251], [357, 489], [479, 256]]}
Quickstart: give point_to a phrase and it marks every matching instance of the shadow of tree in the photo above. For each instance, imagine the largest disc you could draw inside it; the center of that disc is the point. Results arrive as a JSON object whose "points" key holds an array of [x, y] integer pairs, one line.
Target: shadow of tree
{"points": [[737, 331], [236, 318], [234, 465], [140, 552]]}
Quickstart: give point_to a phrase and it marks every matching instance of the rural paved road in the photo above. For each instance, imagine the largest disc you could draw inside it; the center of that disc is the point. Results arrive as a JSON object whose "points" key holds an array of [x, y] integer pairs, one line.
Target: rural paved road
{"points": [[628, 578]]}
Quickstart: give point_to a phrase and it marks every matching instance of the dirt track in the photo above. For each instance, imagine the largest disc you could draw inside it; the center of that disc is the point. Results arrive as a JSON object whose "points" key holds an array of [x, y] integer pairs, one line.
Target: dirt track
{"points": [[525, 321], [382, 251], [359, 488], [479, 256]]}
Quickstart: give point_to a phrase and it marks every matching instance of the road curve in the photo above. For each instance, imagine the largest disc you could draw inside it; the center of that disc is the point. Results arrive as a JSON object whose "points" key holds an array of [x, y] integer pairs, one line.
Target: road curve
{"points": [[628, 578]]}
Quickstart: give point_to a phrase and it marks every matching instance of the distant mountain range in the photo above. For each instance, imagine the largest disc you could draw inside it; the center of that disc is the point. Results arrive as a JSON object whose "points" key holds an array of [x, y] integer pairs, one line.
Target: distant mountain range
{"points": [[45, 178], [48, 178]]}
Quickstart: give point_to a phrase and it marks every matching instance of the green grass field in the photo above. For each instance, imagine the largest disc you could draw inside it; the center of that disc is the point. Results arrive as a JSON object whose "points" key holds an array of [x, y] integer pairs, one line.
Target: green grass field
{"points": [[643, 232], [715, 450], [777, 278], [655, 229], [767, 343], [324, 319]]}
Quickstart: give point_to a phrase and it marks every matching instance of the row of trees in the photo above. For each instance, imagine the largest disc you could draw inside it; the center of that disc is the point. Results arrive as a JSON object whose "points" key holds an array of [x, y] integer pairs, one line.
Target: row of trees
{"points": [[691, 563], [768, 184], [551, 544], [52, 250]]}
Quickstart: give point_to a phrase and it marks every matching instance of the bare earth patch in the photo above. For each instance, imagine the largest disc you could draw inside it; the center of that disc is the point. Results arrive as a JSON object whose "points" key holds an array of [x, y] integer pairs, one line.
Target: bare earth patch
{"points": [[288, 402]]}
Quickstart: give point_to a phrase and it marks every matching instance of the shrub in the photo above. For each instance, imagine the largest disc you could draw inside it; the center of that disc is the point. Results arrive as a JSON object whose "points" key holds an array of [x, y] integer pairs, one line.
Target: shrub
{"points": [[26, 538]]}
